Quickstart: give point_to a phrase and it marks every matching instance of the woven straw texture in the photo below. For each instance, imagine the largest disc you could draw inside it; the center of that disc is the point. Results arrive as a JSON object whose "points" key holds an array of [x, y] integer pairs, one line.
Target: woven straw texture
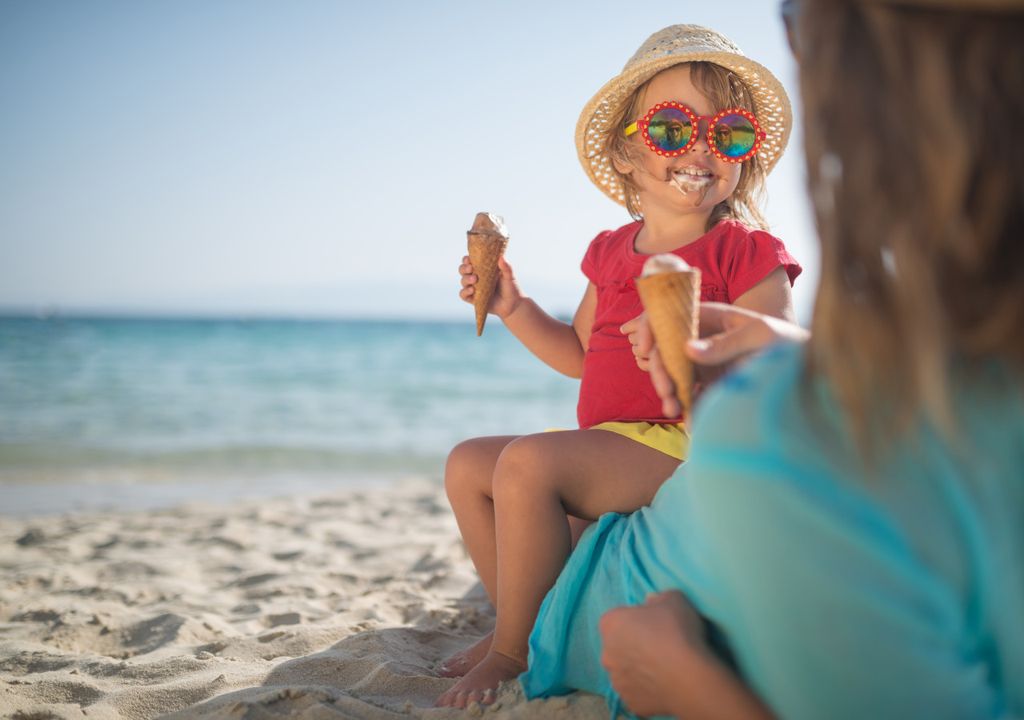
{"points": [[671, 46]]}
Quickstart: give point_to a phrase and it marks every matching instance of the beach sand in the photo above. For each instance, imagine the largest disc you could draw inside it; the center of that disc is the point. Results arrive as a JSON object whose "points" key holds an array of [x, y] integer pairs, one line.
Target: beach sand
{"points": [[339, 606]]}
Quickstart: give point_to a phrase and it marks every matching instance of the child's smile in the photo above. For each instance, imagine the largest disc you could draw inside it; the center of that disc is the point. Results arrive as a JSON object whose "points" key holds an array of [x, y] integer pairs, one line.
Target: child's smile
{"points": [[691, 177]]}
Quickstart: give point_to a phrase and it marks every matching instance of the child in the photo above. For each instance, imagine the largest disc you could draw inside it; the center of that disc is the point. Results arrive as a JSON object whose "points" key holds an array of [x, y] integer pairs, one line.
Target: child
{"points": [[683, 137]]}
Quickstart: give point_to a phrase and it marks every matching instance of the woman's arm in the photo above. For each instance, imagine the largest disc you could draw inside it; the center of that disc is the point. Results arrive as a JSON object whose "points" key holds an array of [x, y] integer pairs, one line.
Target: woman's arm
{"points": [[729, 334], [771, 298], [659, 663]]}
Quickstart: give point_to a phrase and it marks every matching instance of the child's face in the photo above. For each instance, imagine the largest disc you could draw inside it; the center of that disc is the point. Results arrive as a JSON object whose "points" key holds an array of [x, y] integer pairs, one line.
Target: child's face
{"points": [[693, 182]]}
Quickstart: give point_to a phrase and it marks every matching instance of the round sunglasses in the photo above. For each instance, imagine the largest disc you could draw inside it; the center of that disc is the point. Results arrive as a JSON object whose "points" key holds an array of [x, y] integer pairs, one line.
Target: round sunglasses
{"points": [[671, 128]]}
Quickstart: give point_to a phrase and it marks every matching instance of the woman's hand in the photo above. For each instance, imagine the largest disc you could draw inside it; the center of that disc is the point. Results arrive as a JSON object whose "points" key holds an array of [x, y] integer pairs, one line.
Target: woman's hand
{"points": [[507, 295], [644, 650], [728, 334], [659, 663]]}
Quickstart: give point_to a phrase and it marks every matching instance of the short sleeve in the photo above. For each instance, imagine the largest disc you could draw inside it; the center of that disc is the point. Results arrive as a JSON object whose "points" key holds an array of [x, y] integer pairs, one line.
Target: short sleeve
{"points": [[592, 258], [828, 609], [753, 257]]}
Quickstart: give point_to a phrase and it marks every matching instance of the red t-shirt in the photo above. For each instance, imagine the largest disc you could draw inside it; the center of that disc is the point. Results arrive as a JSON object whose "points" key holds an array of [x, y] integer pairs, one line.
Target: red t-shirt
{"points": [[732, 259]]}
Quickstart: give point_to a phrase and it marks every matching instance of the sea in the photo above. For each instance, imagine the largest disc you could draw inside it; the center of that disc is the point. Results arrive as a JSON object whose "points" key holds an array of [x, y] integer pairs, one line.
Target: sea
{"points": [[105, 413]]}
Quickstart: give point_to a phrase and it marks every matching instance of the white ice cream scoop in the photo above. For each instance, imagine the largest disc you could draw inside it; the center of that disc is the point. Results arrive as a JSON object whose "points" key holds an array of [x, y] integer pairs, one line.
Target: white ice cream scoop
{"points": [[663, 263]]}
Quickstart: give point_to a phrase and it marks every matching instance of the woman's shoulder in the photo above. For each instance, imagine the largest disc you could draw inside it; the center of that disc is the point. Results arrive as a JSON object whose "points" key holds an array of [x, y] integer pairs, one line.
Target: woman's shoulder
{"points": [[774, 434], [769, 422]]}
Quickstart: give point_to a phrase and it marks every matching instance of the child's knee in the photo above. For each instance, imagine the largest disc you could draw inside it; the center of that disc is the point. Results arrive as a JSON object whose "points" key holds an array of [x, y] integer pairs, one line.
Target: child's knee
{"points": [[521, 466], [465, 467], [455, 466]]}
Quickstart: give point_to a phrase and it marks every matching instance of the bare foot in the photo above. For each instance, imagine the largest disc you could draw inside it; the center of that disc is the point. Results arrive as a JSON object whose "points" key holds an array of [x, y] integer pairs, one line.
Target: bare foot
{"points": [[482, 681], [465, 660]]}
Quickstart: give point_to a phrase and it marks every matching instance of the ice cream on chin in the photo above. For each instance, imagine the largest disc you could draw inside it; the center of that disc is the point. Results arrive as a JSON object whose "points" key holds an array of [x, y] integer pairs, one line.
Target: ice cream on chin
{"points": [[670, 292], [486, 240], [692, 179]]}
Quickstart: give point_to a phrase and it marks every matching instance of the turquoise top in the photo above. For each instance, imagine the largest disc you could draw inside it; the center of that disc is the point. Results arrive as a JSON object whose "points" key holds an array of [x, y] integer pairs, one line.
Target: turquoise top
{"points": [[843, 592]]}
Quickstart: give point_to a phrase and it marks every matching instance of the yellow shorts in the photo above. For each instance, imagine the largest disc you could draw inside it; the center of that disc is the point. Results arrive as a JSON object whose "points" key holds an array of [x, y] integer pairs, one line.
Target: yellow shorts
{"points": [[669, 438]]}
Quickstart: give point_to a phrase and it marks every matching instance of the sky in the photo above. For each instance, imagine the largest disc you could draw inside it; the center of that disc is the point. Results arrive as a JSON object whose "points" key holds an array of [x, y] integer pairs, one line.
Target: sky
{"points": [[320, 158]]}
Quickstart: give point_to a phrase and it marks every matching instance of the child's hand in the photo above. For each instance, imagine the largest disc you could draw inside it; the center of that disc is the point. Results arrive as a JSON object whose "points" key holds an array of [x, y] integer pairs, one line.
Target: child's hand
{"points": [[638, 332], [507, 295]]}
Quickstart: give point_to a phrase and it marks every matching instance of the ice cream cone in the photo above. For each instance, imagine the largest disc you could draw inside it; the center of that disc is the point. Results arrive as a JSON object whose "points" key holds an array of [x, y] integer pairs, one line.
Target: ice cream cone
{"points": [[672, 302], [487, 240]]}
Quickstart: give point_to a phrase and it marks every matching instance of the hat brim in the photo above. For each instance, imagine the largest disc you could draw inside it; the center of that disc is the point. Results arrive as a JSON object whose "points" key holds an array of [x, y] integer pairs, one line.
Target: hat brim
{"points": [[771, 106]]}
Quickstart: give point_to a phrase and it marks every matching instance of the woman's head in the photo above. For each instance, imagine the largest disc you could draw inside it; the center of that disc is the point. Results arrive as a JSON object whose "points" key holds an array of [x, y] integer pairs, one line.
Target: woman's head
{"points": [[913, 117], [729, 189], [720, 74]]}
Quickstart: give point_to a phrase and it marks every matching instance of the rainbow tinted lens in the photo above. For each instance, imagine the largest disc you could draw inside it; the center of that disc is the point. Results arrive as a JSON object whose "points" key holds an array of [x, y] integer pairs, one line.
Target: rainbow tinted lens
{"points": [[734, 135], [670, 129]]}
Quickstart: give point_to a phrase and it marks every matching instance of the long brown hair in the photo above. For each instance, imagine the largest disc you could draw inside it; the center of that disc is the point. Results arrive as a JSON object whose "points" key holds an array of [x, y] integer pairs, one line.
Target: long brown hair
{"points": [[915, 161], [725, 90]]}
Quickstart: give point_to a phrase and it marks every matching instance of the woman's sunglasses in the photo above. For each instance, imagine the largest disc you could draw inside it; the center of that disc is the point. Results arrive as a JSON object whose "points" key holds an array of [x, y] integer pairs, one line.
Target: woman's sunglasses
{"points": [[671, 128]]}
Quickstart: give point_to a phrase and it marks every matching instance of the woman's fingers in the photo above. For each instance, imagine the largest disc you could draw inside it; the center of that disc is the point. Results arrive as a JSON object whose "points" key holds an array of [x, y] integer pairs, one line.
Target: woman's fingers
{"points": [[743, 332], [728, 346]]}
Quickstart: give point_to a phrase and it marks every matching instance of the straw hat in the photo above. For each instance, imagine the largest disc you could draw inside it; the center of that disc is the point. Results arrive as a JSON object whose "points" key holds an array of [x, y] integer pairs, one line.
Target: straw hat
{"points": [[665, 48]]}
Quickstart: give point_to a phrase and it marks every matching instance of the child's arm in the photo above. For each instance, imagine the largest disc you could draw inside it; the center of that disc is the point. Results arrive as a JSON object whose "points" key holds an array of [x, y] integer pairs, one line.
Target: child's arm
{"points": [[772, 296], [558, 344]]}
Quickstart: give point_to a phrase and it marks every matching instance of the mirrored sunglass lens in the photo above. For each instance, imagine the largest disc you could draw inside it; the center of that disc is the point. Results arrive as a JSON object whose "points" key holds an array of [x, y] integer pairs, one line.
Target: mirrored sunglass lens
{"points": [[670, 129], [734, 135]]}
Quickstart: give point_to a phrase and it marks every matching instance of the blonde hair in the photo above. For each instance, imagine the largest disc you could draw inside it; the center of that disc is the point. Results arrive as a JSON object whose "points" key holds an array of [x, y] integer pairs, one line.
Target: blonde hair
{"points": [[725, 90], [919, 206]]}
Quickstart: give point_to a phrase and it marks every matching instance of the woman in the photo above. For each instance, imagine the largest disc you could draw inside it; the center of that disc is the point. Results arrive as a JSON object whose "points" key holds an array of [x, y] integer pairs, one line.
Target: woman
{"points": [[852, 515]]}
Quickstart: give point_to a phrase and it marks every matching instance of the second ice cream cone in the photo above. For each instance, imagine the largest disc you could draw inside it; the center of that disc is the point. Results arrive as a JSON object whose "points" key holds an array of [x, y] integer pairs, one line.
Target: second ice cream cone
{"points": [[672, 302], [487, 240]]}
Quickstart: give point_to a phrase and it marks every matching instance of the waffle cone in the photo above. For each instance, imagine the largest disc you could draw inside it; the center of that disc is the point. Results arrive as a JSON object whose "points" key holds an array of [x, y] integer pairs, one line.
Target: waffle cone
{"points": [[672, 302], [487, 241]]}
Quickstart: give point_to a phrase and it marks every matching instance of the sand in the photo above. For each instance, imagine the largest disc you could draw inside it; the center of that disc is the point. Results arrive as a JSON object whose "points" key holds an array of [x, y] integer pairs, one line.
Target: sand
{"points": [[339, 606]]}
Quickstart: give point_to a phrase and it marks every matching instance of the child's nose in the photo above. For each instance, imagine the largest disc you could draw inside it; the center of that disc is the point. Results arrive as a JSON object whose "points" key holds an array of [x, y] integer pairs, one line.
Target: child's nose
{"points": [[702, 144]]}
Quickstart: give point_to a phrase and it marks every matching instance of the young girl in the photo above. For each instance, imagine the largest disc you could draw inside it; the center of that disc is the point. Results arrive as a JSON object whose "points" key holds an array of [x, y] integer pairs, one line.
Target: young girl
{"points": [[683, 137]]}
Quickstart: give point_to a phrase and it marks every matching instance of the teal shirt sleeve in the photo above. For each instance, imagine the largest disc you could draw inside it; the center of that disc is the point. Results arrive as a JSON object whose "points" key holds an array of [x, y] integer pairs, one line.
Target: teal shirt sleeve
{"points": [[828, 594]]}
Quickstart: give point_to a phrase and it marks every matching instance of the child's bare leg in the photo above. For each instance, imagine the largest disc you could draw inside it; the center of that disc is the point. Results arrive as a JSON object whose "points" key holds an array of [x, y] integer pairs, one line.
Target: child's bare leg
{"points": [[576, 527], [537, 480], [467, 480], [466, 659], [468, 477]]}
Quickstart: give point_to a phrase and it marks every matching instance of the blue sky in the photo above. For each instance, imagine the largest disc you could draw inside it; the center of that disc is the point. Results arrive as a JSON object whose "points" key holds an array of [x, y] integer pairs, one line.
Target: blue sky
{"points": [[319, 158]]}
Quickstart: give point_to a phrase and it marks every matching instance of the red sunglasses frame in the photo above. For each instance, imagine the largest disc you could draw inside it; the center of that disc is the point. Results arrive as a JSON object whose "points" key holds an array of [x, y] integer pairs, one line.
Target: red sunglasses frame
{"points": [[644, 123]]}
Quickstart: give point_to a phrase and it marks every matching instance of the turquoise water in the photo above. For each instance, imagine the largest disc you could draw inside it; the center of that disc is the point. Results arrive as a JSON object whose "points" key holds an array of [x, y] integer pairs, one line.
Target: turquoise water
{"points": [[139, 403]]}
